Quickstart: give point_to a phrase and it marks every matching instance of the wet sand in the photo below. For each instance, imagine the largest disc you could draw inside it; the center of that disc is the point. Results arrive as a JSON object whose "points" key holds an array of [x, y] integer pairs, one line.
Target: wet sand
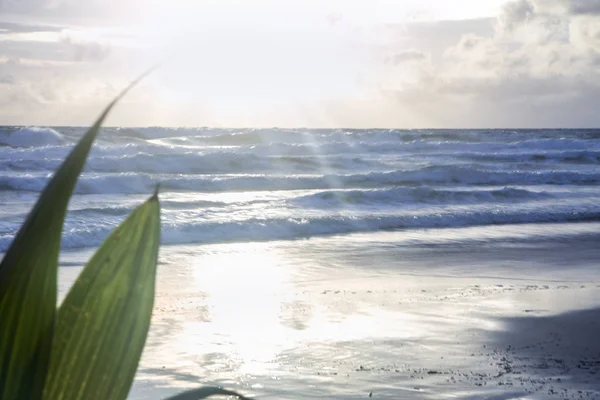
{"points": [[353, 316]]}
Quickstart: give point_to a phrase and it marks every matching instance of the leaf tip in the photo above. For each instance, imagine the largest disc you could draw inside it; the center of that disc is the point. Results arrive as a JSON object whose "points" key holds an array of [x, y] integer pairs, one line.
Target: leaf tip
{"points": [[156, 192]]}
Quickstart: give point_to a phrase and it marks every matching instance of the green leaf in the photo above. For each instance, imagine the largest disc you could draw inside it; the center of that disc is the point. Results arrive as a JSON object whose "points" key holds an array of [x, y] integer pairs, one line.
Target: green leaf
{"points": [[28, 275], [102, 325], [205, 392]]}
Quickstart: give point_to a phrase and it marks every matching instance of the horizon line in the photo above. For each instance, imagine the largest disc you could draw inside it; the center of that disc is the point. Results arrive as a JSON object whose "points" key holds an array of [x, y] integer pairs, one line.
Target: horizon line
{"points": [[286, 128]]}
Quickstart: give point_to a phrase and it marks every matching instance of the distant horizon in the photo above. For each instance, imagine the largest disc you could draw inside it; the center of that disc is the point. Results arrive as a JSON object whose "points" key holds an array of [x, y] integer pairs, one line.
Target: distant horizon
{"points": [[296, 128]]}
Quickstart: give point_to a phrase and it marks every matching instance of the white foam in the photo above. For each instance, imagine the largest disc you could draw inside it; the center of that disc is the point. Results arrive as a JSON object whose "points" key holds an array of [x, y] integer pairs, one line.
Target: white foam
{"points": [[32, 137]]}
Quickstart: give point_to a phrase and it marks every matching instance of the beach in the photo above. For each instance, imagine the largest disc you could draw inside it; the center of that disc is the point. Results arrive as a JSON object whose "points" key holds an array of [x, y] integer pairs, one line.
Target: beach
{"points": [[299, 263], [393, 314], [358, 199]]}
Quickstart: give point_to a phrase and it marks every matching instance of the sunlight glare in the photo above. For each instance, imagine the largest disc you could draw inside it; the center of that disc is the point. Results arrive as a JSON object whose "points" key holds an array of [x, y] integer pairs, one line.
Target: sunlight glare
{"points": [[245, 290]]}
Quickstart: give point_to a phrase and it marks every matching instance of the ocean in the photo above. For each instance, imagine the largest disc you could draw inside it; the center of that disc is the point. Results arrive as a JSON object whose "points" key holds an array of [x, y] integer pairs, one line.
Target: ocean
{"points": [[326, 264], [239, 185]]}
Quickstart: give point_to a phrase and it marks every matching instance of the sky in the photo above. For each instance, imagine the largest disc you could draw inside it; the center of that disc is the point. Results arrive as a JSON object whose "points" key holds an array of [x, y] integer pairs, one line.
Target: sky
{"points": [[303, 63]]}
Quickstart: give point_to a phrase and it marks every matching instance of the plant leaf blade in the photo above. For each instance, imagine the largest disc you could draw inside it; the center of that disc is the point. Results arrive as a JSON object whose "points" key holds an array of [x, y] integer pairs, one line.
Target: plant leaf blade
{"points": [[28, 275], [102, 325]]}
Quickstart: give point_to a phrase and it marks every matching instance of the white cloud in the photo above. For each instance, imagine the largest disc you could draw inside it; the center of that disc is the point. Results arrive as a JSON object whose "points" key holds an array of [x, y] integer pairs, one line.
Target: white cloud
{"points": [[331, 63], [86, 50], [406, 56], [538, 68]]}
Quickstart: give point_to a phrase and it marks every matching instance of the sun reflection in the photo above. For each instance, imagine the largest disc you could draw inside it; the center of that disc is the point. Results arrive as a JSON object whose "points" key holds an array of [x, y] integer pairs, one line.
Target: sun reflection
{"points": [[248, 310], [246, 288]]}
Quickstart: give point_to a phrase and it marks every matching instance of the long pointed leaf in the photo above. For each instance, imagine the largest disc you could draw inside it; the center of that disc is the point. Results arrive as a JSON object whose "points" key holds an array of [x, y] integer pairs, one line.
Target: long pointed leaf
{"points": [[28, 276], [101, 326], [205, 392]]}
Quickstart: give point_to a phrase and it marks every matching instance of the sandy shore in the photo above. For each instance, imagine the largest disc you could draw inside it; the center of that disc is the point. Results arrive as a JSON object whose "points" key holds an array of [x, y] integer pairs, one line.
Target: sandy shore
{"points": [[345, 317]]}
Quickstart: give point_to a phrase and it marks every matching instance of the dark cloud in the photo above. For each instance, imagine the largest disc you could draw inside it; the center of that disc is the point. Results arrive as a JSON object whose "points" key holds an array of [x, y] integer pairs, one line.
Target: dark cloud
{"points": [[7, 79], [66, 47], [567, 7], [514, 14], [72, 12], [13, 27], [35, 7], [503, 103], [579, 7]]}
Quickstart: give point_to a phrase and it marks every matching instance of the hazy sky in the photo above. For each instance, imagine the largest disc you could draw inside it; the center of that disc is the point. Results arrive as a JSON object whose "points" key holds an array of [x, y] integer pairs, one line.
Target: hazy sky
{"points": [[313, 63]]}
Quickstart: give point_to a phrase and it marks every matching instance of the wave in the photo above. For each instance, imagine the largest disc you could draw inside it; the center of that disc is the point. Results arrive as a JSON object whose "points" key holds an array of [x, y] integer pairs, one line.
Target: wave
{"points": [[31, 137], [303, 136], [520, 139], [169, 161], [302, 153], [227, 162], [328, 181], [166, 205], [419, 195], [130, 183], [278, 135], [261, 229], [302, 228], [381, 198], [421, 147], [549, 157]]}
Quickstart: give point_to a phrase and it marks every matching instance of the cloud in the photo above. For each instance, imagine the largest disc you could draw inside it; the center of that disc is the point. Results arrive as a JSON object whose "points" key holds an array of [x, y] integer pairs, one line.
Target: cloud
{"points": [[30, 6], [537, 63], [406, 56], [585, 7], [7, 79], [38, 98], [514, 14], [86, 50], [48, 44], [539, 67], [13, 27]]}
